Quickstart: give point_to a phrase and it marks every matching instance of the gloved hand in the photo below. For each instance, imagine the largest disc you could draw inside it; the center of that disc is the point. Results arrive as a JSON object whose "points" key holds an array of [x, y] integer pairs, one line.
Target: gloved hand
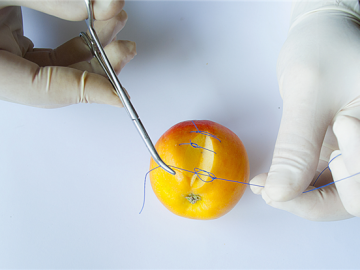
{"points": [[318, 73], [67, 75]]}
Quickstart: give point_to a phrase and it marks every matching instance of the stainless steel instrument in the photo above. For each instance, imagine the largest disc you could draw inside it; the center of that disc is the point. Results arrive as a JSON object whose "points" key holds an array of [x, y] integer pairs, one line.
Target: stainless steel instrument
{"points": [[96, 48]]}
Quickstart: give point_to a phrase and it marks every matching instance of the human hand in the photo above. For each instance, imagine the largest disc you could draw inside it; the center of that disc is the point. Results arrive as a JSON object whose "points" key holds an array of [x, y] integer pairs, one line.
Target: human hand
{"points": [[68, 74], [318, 72]]}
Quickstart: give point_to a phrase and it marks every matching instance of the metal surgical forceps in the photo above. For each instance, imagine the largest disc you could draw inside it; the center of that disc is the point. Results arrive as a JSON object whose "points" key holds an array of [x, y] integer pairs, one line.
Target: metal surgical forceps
{"points": [[97, 50]]}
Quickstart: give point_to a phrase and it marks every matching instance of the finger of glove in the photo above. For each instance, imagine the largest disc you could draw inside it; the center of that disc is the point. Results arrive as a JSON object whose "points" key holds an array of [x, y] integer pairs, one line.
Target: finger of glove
{"points": [[347, 132], [119, 53], [317, 205], [302, 130], [75, 50], [51, 87], [344, 163], [257, 183], [107, 30], [75, 10]]}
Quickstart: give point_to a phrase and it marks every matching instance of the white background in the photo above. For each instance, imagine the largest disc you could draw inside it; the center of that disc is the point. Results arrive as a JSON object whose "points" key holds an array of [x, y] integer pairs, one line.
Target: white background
{"points": [[71, 179]]}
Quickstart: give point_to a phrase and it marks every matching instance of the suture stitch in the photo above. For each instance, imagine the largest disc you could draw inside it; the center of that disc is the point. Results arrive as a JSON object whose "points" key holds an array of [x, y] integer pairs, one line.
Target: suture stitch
{"points": [[204, 133], [195, 145]]}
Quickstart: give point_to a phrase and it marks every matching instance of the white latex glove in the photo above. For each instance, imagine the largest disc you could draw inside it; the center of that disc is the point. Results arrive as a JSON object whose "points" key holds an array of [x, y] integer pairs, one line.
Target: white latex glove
{"points": [[319, 79], [67, 75]]}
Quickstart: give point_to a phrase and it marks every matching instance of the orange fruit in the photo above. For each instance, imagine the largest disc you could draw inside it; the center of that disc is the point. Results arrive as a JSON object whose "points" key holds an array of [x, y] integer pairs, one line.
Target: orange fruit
{"points": [[211, 166]]}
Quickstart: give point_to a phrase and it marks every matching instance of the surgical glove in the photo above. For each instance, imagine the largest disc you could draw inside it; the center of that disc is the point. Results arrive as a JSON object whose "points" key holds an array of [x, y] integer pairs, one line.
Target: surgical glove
{"points": [[318, 73], [68, 74]]}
